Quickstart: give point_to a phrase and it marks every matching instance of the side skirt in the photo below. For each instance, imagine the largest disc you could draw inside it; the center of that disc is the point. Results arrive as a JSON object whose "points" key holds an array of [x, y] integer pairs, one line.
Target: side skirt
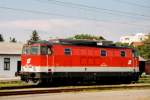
{"points": [[82, 76]]}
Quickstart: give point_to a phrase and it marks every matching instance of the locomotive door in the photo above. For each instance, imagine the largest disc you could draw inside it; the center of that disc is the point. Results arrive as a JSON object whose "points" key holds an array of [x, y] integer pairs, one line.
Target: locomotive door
{"points": [[135, 58], [83, 61], [45, 56], [83, 58], [123, 58]]}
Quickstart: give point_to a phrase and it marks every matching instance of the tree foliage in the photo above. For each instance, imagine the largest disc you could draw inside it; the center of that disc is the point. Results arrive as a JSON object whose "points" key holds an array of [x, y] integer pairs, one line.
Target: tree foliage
{"points": [[13, 40], [88, 36], [122, 44], [35, 36], [147, 41], [1, 38], [144, 50]]}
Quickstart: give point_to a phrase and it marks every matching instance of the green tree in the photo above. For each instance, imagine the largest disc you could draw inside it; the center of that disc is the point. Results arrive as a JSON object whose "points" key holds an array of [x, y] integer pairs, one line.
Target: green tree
{"points": [[122, 44], [12, 40], [147, 41], [35, 36], [87, 36], [1, 38], [144, 50]]}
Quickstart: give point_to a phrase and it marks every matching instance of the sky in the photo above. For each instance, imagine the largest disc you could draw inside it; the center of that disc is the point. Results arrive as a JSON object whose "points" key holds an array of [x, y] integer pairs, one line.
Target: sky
{"points": [[65, 18]]}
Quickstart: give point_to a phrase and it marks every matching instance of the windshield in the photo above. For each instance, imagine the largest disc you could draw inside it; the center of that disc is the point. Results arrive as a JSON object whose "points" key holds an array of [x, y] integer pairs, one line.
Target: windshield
{"points": [[30, 50], [34, 50], [43, 50]]}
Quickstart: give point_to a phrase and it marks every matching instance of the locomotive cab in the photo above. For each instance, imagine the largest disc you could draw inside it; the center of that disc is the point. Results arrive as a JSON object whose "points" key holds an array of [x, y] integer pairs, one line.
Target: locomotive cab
{"points": [[35, 61]]}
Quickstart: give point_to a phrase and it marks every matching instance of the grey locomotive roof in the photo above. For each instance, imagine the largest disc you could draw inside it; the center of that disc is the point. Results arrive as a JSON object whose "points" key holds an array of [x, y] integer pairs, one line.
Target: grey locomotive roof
{"points": [[81, 42], [10, 48], [92, 43]]}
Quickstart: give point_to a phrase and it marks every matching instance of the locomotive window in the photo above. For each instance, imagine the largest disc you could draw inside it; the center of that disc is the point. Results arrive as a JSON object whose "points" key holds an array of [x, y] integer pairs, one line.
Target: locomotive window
{"points": [[122, 53], [103, 53], [44, 50], [25, 50], [35, 50], [67, 51]]}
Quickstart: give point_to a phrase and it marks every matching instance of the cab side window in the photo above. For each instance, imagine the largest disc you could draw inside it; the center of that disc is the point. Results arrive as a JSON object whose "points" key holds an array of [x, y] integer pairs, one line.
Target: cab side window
{"points": [[103, 53], [67, 51], [122, 53], [44, 50]]}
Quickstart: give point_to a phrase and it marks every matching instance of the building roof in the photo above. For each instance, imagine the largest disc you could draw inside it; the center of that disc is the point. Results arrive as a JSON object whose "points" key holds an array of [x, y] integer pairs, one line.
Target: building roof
{"points": [[135, 44], [10, 48], [139, 37]]}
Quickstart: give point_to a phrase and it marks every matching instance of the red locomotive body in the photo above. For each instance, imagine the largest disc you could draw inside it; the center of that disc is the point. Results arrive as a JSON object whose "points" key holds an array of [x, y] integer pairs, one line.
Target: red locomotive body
{"points": [[78, 60]]}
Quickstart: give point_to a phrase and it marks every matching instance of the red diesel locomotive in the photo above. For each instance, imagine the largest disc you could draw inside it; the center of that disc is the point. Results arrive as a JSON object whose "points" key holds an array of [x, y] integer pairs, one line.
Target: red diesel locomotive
{"points": [[63, 60]]}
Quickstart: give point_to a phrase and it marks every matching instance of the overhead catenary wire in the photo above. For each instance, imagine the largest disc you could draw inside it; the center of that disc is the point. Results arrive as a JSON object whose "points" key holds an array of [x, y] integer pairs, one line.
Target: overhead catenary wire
{"points": [[132, 3], [61, 15], [109, 11], [117, 14], [101, 11]]}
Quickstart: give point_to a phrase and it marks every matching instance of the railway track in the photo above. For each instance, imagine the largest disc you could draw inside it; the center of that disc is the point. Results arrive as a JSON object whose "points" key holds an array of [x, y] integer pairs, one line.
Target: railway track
{"points": [[26, 91]]}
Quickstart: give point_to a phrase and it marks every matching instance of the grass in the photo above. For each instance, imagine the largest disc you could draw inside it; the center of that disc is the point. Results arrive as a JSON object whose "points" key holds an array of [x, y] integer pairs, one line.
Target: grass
{"points": [[144, 79], [12, 83]]}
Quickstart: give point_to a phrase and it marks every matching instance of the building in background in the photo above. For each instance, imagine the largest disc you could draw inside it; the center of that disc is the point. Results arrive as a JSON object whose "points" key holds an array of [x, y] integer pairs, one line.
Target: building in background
{"points": [[134, 39], [147, 67], [10, 60], [136, 44]]}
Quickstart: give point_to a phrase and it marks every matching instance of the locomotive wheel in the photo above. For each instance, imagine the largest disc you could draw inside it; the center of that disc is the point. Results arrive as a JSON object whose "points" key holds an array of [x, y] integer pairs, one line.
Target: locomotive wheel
{"points": [[36, 81]]}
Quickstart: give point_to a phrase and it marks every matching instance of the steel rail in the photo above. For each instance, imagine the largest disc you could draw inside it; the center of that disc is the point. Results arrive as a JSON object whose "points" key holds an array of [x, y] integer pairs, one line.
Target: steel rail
{"points": [[71, 89]]}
